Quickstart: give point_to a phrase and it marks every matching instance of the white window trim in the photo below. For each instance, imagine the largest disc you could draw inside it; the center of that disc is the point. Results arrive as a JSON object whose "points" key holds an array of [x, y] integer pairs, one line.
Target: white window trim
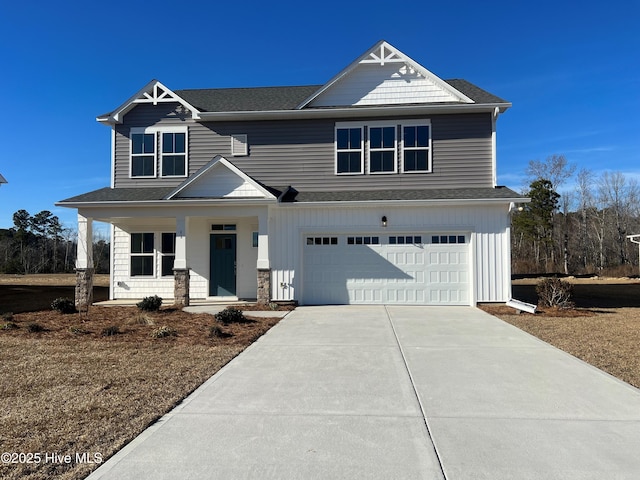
{"points": [[371, 125], [161, 254], [417, 123], [184, 130], [152, 254], [157, 163], [344, 125], [140, 130]]}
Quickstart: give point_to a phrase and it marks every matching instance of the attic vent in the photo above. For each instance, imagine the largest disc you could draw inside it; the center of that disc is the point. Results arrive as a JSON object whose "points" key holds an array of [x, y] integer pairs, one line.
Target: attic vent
{"points": [[239, 145]]}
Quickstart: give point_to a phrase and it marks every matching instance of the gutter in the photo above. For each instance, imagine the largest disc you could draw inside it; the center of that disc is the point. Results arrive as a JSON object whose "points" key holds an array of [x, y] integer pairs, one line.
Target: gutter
{"points": [[169, 203], [352, 112], [367, 203]]}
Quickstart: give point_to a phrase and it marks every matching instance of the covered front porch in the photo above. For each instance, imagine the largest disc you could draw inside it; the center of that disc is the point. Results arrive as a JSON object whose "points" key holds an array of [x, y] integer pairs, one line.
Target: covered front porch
{"points": [[197, 254]]}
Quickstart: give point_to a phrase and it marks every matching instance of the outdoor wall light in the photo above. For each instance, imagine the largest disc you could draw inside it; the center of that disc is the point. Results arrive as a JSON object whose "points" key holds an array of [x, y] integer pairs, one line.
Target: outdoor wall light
{"points": [[384, 220]]}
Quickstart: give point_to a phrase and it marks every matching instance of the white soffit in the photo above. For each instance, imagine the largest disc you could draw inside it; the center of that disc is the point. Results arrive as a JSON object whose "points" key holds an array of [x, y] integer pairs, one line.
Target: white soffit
{"points": [[220, 179], [384, 76]]}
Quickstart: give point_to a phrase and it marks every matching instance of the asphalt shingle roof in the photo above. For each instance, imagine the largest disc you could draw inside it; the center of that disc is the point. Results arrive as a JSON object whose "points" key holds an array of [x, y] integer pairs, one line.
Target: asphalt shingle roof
{"points": [[134, 195], [259, 99]]}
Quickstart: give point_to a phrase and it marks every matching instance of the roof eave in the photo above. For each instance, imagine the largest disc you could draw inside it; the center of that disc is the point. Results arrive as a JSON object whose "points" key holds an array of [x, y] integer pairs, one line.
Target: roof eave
{"points": [[354, 112], [170, 203], [439, 202]]}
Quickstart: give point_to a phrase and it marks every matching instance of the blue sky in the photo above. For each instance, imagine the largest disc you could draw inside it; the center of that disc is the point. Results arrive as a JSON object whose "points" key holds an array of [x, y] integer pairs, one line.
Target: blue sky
{"points": [[571, 70]]}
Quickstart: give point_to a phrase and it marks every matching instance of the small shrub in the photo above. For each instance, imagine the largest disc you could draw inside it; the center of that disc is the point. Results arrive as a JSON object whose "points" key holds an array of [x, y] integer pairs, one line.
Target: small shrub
{"points": [[9, 326], [273, 306], [76, 330], [553, 292], [63, 305], [150, 304], [216, 332], [230, 315], [164, 332], [110, 331], [34, 328], [141, 319], [7, 316]]}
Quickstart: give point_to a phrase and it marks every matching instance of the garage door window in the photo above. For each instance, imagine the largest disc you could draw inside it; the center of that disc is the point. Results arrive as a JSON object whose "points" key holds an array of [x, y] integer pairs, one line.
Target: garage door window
{"points": [[322, 240], [438, 239], [363, 240], [405, 239]]}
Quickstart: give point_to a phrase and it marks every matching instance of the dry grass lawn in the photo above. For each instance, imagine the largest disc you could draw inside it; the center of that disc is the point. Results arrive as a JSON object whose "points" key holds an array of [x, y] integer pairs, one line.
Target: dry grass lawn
{"points": [[71, 390]]}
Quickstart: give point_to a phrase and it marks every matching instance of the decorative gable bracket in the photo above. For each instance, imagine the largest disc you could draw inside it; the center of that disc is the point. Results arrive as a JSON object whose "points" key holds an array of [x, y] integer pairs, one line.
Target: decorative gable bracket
{"points": [[153, 93], [386, 54]]}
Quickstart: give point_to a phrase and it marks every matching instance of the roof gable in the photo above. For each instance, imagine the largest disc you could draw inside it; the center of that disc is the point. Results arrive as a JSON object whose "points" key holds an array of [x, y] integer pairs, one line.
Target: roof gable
{"points": [[384, 76], [220, 179], [153, 92]]}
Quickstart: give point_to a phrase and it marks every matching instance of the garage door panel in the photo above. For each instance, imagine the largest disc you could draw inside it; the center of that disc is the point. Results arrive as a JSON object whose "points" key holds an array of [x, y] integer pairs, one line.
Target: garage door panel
{"points": [[388, 272]]}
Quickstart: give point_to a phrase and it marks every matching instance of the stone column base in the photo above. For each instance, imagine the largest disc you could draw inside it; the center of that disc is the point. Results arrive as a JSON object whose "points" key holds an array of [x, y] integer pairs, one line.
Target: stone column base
{"points": [[181, 287], [264, 286], [84, 288]]}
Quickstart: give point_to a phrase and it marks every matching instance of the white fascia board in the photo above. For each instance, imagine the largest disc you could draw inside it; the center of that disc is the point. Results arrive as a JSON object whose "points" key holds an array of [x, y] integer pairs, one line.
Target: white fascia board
{"points": [[354, 112], [432, 202], [205, 202], [115, 117]]}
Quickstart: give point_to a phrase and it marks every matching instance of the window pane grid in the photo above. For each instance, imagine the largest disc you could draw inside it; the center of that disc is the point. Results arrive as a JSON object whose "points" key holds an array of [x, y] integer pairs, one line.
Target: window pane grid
{"points": [[416, 140], [382, 149], [349, 150]]}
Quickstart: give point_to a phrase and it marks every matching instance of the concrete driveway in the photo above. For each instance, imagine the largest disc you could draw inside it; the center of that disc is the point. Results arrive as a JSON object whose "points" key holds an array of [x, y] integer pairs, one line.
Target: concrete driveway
{"points": [[375, 392]]}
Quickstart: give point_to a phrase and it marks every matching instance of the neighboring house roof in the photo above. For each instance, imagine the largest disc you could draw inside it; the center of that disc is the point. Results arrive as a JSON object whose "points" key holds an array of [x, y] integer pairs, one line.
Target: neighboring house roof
{"points": [[2, 179]]}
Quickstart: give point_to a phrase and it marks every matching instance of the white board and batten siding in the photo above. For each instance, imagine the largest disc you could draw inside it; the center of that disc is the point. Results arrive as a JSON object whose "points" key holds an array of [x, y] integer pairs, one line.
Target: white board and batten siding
{"points": [[476, 271]]}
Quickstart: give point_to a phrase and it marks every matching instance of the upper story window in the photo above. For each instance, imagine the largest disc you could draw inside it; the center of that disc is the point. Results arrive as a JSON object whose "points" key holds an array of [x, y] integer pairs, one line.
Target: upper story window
{"points": [[416, 147], [174, 154], [162, 149], [382, 149], [379, 147], [143, 154], [349, 150]]}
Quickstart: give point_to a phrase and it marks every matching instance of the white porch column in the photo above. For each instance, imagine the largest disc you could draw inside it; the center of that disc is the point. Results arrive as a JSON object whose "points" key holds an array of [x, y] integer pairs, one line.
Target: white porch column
{"points": [[181, 242], [180, 269], [84, 263], [263, 265], [263, 239]]}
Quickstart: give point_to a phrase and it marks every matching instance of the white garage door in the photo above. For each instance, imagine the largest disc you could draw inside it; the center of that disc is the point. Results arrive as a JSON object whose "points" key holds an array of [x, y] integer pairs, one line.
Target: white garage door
{"points": [[417, 269]]}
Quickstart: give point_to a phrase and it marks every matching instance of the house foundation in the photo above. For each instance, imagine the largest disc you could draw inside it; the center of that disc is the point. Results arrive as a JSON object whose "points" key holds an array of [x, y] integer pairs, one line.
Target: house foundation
{"points": [[264, 285], [84, 288], [181, 287]]}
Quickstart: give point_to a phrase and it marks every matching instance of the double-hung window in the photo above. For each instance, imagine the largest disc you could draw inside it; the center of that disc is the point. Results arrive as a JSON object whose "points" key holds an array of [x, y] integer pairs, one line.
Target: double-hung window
{"points": [[382, 149], [174, 154], [168, 253], [143, 154], [416, 147], [142, 254], [349, 150]]}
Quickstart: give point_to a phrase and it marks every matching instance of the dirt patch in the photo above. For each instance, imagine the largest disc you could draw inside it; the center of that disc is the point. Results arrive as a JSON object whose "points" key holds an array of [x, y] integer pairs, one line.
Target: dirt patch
{"points": [[91, 384], [30, 293]]}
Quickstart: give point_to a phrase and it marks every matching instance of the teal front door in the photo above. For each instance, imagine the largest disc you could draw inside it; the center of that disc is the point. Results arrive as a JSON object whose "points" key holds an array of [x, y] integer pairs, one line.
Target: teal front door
{"points": [[223, 265]]}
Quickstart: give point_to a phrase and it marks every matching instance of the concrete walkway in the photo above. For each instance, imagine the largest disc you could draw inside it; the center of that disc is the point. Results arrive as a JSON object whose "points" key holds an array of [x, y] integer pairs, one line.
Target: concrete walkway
{"points": [[378, 392]]}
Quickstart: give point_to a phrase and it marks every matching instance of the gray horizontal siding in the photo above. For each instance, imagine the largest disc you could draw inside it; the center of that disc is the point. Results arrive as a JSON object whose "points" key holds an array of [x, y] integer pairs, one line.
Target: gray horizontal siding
{"points": [[301, 153]]}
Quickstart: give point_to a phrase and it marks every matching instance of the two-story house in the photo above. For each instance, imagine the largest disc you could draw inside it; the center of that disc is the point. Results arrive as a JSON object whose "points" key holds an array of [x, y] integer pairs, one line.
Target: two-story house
{"points": [[377, 187]]}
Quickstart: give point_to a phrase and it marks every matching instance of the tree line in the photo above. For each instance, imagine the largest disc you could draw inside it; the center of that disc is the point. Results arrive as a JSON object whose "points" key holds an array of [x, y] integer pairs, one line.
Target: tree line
{"points": [[577, 222], [41, 244]]}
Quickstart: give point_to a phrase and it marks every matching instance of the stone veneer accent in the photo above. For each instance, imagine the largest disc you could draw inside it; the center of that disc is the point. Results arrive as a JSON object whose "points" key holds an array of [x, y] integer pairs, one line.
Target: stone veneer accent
{"points": [[264, 285], [181, 286], [84, 288]]}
